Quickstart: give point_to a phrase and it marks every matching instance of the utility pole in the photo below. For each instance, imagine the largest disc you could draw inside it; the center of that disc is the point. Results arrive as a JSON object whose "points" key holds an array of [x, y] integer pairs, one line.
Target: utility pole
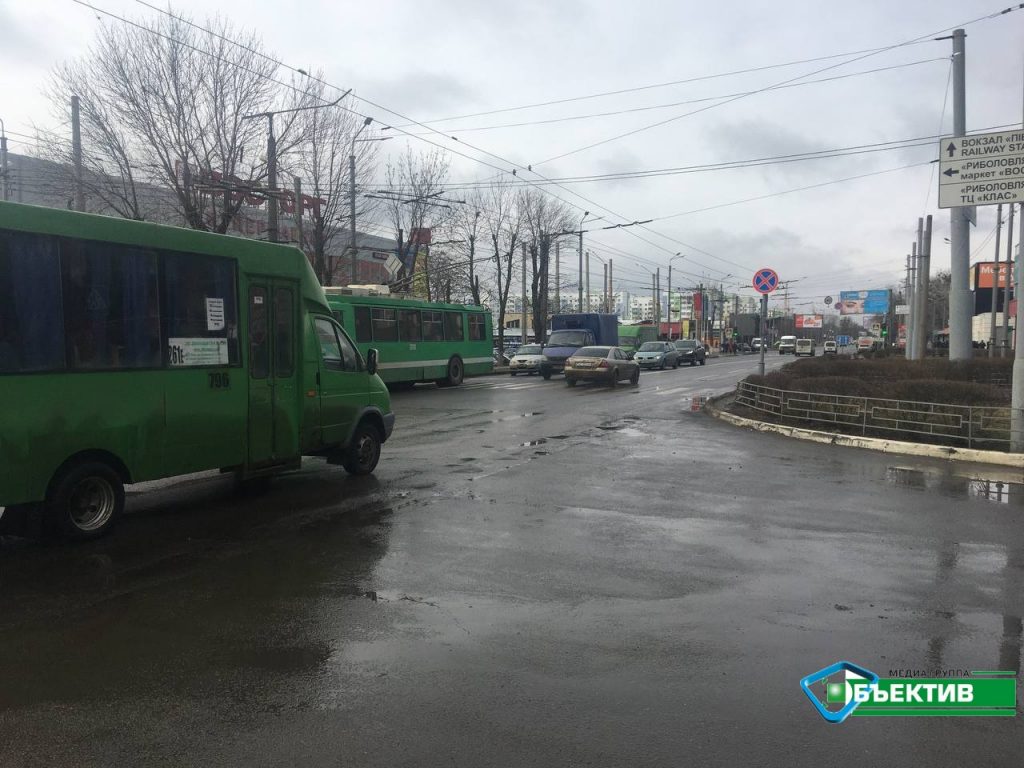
{"points": [[4, 185], [298, 211], [604, 292], [960, 310], [1017, 396], [924, 254], [580, 272], [654, 299], [558, 280], [917, 250], [588, 281], [1004, 347], [995, 285], [908, 302], [76, 153], [657, 299], [611, 284], [272, 225], [523, 336]]}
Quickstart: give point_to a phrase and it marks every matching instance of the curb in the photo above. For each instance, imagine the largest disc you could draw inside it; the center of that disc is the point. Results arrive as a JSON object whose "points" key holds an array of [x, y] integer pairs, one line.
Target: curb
{"points": [[899, 447]]}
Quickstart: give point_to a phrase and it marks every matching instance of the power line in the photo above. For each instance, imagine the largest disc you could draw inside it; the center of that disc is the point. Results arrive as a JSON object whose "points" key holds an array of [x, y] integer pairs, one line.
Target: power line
{"points": [[635, 89], [631, 110], [875, 52]]}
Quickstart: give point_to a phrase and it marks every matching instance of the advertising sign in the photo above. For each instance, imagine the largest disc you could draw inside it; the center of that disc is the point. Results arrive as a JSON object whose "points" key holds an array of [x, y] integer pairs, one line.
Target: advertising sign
{"points": [[808, 321], [863, 302], [982, 274]]}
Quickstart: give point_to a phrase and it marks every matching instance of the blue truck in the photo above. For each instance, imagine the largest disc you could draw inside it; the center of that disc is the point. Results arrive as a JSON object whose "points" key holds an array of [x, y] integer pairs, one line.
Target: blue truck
{"points": [[570, 332]]}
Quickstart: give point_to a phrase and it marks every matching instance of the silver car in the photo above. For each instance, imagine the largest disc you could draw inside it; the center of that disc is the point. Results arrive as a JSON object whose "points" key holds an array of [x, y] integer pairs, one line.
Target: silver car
{"points": [[527, 359], [657, 354]]}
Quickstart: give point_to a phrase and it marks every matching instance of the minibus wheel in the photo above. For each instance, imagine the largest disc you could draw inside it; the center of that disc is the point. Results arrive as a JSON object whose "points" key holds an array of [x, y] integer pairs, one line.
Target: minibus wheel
{"points": [[84, 500], [363, 450]]}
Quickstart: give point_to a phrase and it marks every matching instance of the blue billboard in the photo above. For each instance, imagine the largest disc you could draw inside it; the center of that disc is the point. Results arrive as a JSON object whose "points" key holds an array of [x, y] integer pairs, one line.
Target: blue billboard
{"points": [[863, 302]]}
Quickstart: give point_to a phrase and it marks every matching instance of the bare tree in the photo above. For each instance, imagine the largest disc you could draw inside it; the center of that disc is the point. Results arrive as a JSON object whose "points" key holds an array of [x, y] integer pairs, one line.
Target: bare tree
{"points": [[413, 188], [321, 160], [163, 105], [466, 227], [505, 226], [543, 217]]}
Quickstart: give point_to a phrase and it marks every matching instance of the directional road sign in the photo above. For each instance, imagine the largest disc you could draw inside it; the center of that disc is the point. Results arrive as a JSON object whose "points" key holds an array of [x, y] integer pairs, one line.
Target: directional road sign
{"points": [[983, 169], [766, 280]]}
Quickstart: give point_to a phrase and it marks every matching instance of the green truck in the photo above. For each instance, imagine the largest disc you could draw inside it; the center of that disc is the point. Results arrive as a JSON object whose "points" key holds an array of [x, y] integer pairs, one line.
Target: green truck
{"points": [[632, 336]]}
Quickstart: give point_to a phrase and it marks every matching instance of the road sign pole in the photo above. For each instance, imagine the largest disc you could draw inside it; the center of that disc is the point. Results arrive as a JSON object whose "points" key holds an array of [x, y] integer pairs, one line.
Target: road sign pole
{"points": [[1017, 392], [764, 339]]}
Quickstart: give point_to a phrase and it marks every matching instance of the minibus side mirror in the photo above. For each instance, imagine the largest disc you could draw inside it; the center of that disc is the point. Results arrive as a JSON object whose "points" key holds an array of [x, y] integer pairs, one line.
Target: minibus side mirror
{"points": [[371, 361]]}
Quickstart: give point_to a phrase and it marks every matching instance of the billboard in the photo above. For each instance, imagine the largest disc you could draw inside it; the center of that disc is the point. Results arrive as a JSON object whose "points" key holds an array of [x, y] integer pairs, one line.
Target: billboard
{"points": [[808, 321], [982, 274], [863, 302]]}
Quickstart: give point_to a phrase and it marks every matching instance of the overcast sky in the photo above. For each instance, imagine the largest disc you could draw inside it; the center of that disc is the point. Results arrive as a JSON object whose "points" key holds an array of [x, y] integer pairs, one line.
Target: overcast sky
{"points": [[437, 59]]}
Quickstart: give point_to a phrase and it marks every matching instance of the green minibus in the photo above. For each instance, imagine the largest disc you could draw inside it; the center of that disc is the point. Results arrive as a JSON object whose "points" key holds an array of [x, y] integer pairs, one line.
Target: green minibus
{"points": [[132, 351], [418, 340]]}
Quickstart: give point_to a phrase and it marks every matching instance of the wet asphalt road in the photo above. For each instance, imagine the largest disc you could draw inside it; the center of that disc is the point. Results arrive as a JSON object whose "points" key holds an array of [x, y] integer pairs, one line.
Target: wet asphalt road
{"points": [[536, 576]]}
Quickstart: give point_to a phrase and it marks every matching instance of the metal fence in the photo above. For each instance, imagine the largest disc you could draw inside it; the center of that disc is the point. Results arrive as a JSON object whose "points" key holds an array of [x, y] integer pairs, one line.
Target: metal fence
{"points": [[941, 423]]}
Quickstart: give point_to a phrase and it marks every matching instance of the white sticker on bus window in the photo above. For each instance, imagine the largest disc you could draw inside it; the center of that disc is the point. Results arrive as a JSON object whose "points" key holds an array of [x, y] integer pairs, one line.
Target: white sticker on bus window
{"points": [[214, 314], [257, 299], [182, 353]]}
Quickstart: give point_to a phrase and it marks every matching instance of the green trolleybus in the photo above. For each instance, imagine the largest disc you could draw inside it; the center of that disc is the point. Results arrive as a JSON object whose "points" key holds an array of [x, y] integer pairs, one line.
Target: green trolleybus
{"points": [[132, 351], [418, 340]]}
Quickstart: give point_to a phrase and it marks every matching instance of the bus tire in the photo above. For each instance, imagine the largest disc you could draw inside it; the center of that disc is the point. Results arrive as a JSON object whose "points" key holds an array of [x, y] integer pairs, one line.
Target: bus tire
{"points": [[363, 450], [456, 372], [546, 374], [84, 500]]}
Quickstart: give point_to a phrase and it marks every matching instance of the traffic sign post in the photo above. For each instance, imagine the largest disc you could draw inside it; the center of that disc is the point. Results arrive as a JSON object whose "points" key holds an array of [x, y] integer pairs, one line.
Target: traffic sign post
{"points": [[983, 169], [765, 281]]}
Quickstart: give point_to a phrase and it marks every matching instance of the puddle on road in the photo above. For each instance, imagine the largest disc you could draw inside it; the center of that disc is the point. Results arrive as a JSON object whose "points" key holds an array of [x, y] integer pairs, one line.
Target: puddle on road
{"points": [[998, 491], [515, 416], [528, 443]]}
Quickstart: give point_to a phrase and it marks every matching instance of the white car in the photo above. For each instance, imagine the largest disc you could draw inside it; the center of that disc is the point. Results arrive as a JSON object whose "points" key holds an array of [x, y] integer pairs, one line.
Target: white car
{"points": [[831, 348], [527, 359]]}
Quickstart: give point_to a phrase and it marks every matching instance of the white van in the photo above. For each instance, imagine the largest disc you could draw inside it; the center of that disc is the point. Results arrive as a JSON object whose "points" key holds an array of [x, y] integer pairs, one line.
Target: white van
{"points": [[787, 344], [804, 347]]}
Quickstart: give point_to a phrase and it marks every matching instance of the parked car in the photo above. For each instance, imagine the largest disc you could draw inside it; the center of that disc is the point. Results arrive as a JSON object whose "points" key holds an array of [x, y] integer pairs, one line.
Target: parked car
{"points": [[657, 354], [743, 348], [830, 348], [527, 359], [605, 364], [499, 358], [787, 344], [691, 351], [755, 345], [804, 347]]}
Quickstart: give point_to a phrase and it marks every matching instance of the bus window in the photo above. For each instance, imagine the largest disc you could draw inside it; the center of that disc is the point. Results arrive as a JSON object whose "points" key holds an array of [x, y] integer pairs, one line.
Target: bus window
{"points": [[199, 303], [477, 329], [31, 319], [453, 330], [110, 305], [433, 330], [364, 331], [409, 325], [385, 325], [284, 333]]}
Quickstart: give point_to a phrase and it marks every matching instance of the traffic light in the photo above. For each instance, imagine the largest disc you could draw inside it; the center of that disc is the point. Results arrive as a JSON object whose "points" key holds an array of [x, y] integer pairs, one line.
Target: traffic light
{"points": [[735, 333], [885, 330]]}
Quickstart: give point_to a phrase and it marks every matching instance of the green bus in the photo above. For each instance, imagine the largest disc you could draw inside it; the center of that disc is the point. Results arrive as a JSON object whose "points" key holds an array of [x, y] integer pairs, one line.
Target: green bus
{"points": [[418, 340], [132, 351]]}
